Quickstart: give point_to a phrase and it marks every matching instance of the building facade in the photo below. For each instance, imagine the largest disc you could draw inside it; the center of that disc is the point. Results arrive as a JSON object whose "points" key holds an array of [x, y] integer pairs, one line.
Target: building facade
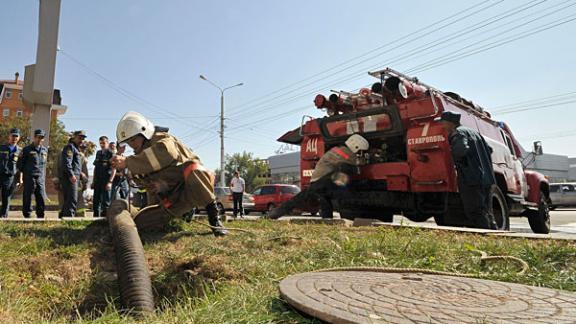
{"points": [[12, 105], [285, 168]]}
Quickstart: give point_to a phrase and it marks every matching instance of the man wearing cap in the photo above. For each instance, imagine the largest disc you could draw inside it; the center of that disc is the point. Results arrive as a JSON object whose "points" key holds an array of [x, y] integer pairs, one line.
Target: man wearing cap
{"points": [[32, 164], [173, 175], [103, 178], [70, 174], [9, 154], [471, 155]]}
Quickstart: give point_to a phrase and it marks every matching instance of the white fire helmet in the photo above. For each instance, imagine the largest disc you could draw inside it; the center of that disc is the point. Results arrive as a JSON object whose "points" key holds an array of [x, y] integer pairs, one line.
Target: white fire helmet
{"points": [[132, 124], [357, 143]]}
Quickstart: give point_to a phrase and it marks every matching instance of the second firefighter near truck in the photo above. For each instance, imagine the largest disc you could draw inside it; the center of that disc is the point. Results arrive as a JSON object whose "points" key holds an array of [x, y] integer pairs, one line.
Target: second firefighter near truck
{"points": [[329, 178], [175, 179], [471, 155]]}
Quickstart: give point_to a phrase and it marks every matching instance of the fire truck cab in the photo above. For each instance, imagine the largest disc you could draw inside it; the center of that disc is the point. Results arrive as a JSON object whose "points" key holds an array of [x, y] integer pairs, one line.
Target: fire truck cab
{"points": [[409, 169]]}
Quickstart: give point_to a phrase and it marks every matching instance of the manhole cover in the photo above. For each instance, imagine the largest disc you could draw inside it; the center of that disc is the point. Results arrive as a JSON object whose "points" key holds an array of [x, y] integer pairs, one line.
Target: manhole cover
{"points": [[375, 297]]}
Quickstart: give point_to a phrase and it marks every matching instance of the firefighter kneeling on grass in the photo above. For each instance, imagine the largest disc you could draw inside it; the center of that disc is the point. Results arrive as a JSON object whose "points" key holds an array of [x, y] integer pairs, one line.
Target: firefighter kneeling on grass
{"points": [[173, 176], [330, 175]]}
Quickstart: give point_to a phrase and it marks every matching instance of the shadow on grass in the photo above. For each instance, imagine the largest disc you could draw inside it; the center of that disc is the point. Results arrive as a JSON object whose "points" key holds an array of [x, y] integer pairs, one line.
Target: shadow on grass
{"points": [[64, 235]]}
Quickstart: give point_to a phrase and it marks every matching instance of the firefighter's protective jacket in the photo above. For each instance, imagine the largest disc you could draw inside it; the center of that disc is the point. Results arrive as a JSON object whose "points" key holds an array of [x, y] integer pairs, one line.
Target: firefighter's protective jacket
{"points": [[163, 161], [336, 158], [471, 155]]}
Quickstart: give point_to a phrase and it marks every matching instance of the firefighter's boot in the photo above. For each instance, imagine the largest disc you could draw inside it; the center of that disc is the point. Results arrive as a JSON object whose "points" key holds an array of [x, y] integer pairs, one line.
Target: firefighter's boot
{"points": [[214, 221]]}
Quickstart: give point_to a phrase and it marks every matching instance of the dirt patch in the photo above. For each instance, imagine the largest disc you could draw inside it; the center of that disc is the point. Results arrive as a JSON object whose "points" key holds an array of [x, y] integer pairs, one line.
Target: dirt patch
{"points": [[192, 277]]}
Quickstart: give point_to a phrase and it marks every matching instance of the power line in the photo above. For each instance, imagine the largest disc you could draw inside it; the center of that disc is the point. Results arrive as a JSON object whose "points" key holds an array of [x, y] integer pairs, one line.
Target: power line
{"points": [[533, 101], [412, 52], [403, 38], [151, 117], [443, 60], [531, 107], [114, 86]]}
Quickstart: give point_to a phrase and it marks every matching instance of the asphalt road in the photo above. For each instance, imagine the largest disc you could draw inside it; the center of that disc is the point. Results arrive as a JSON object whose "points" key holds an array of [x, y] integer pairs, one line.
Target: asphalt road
{"points": [[562, 220]]}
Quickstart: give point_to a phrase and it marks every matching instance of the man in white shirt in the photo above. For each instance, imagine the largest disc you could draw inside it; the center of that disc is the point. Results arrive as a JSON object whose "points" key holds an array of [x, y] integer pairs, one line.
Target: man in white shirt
{"points": [[238, 186]]}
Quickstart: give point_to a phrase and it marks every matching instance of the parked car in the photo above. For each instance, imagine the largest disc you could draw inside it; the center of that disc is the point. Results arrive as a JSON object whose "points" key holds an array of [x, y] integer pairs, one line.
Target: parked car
{"points": [[248, 203], [225, 201], [269, 196], [562, 195], [224, 198]]}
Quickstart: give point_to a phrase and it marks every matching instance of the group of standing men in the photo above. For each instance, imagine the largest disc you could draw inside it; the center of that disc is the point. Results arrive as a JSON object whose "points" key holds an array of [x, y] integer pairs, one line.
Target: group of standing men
{"points": [[107, 182], [27, 167], [23, 166]]}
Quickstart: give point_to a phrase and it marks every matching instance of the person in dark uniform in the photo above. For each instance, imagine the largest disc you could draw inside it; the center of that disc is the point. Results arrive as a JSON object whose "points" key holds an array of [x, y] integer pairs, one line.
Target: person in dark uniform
{"points": [[32, 164], [71, 171], [120, 187], [9, 154], [103, 178], [330, 174], [471, 155]]}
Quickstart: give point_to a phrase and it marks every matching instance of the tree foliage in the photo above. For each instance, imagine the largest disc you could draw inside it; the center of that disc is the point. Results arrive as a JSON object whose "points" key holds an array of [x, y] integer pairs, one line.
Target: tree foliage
{"points": [[250, 168]]}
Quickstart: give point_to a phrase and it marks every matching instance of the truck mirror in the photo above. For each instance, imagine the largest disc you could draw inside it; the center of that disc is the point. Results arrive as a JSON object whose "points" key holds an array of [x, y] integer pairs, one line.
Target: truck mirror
{"points": [[537, 148]]}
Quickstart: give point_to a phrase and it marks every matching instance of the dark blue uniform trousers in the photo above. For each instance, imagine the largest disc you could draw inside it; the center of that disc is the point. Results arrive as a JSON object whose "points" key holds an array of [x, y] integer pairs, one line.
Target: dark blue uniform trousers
{"points": [[70, 192], [101, 200], [7, 187], [33, 185], [120, 189]]}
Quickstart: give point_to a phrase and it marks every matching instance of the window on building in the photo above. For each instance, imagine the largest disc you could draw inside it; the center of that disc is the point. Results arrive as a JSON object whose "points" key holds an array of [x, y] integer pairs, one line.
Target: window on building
{"points": [[20, 94], [8, 94], [6, 112], [19, 113]]}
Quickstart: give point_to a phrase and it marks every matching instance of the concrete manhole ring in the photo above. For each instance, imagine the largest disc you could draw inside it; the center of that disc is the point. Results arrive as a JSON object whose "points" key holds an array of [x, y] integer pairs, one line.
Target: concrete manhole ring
{"points": [[377, 297]]}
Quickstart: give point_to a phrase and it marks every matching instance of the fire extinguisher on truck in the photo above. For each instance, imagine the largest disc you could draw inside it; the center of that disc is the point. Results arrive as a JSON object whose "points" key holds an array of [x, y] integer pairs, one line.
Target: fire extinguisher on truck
{"points": [[409, 168]]}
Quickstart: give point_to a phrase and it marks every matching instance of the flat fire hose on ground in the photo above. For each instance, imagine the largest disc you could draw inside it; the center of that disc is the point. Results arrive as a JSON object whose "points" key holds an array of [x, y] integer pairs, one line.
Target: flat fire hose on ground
{"points": [[132, 267]]}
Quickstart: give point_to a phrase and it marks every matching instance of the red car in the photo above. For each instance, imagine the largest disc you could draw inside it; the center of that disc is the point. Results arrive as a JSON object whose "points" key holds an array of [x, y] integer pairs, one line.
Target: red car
{"points": [[269, 196]]}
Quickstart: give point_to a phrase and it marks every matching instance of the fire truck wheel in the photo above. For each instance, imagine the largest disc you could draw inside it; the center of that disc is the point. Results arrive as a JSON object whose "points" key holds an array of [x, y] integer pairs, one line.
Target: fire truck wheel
{"points": [[500, 209], [539, 219]]}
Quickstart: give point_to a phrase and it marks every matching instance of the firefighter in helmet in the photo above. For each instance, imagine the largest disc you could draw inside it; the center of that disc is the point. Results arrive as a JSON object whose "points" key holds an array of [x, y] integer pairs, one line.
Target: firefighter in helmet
{"points": [[471, 155], [175, 179], [330, 175]]}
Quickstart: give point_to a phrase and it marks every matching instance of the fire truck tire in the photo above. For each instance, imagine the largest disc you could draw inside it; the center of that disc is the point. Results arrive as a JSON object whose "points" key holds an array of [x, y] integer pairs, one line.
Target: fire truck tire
{"points": [[540, 219], [500, 209]]}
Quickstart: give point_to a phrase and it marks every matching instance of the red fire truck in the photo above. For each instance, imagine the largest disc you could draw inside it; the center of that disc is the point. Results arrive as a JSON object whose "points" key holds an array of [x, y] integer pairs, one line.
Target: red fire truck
{"points": [[409, 168]]}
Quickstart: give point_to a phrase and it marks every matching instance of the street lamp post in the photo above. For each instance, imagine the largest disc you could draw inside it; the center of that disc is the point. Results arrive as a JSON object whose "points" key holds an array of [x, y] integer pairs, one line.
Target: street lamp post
{"points": [[222, 161]]}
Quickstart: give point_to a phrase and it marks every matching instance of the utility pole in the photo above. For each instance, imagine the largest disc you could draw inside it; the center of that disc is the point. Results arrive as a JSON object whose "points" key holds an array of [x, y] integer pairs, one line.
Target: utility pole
{"points": [[39, 77], [222, 155]]}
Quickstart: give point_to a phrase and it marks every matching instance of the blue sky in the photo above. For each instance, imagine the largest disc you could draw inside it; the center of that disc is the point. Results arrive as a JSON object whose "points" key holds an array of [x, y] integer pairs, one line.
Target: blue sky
{"points": [[155, 51]]}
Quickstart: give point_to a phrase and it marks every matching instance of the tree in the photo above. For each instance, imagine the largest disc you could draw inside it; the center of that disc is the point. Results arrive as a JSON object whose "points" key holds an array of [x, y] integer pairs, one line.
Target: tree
{"points": [[251, 169], [22, 123]]}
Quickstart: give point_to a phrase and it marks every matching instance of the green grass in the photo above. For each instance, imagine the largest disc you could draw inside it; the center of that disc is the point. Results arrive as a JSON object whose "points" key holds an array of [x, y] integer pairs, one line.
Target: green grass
{"points": [[65, 272]]}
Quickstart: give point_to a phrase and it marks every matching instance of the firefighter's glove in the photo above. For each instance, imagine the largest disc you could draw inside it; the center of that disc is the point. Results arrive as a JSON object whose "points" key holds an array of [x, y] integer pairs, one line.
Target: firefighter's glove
{"points": [[340, 179]]}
